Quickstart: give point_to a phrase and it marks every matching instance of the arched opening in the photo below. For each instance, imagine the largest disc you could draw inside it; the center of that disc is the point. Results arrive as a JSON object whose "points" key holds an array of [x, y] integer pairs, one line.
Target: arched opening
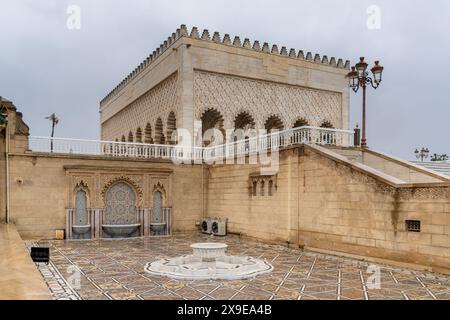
{"points": [[302, 122], [262, 188], [300, 136], [159, 134], [327, 137], [244, 121], [148, 134], [244, 128], [171, 127], [255, 188], [273, 123], [212, 119], [327, 124], [139, 135], [130, 137]]}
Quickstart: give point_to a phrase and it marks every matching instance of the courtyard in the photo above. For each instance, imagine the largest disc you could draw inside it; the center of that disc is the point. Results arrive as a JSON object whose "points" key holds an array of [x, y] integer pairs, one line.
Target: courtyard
{"points": [[114, 270]]}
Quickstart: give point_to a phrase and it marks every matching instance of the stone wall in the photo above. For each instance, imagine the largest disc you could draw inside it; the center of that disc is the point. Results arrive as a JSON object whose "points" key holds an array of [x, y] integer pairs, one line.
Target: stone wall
{"points": [[43, 186], [325, 203]]}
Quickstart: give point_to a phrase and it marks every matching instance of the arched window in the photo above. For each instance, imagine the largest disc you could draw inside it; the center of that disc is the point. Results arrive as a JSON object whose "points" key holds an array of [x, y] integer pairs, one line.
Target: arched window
{"points": [[300, 136], [171, 127], [327, 124], [139, 135], [244, 121], [159, 135], [302, 122], [212, 119], [273, 123], [81, 214], [148, 134], [270, 188], [262, 188], [254, 188]]}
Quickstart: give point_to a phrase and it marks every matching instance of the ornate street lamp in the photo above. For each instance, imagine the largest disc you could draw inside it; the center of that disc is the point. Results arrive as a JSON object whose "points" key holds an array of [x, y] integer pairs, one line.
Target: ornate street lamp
{"points": [[422, 154], [359, 77]]}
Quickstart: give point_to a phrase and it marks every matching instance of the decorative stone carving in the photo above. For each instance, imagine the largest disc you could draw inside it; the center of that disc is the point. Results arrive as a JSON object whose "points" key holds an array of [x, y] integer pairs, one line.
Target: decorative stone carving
{"points": [[159, 187], [228, 95], [81, 185], [128, 180], [120, 205], [157, 102], [436, 193], [262, 184]]}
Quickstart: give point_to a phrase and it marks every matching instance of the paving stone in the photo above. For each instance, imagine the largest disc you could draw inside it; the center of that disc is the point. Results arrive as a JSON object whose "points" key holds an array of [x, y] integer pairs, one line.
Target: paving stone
{"points": [[115, 270]]}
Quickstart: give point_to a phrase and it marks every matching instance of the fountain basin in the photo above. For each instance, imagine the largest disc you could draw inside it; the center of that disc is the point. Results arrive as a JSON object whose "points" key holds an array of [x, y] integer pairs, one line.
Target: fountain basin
{"points": [[209, 252], [120, 231], [209, 262], [157, 228], [81, 230]]}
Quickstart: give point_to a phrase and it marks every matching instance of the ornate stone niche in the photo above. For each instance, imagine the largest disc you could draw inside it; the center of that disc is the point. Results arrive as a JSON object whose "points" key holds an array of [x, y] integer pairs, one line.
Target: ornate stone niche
{"points": [[263, 185]]}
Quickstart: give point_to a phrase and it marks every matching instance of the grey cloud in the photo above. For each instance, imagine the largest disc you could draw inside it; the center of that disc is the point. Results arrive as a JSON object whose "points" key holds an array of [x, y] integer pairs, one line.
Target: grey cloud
{"points": [[46, 68]]}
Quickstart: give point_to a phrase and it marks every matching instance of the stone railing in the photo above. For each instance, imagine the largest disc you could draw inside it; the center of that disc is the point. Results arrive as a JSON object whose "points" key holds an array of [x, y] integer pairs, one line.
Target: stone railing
{"points": [[251, 145], [279, 140]]}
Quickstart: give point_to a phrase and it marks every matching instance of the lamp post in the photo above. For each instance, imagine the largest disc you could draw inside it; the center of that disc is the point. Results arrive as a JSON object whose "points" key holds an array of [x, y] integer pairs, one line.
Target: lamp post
{"points": [[422, 154], [359, 77]]}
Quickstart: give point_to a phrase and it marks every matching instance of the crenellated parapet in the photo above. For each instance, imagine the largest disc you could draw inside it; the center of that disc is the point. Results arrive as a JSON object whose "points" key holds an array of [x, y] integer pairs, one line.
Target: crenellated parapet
{"points": [[229, 41]]}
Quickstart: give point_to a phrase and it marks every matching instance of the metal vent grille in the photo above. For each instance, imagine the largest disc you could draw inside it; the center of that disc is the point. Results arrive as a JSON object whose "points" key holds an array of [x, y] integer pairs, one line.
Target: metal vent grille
{"points": [[413, 225]]}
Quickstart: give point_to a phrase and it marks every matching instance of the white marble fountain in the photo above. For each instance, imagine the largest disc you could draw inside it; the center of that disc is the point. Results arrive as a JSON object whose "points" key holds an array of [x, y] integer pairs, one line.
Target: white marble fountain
{"points": [[209, 262]]}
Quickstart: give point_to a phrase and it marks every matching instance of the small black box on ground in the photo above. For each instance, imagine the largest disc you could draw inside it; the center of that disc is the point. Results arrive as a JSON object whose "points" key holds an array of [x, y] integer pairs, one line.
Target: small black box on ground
{"points": [[40, 254]]}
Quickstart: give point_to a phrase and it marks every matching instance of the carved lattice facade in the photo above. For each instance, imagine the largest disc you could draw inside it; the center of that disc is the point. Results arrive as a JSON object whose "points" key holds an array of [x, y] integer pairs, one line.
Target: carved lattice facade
{"points": [[158, 103], [232, 95]]}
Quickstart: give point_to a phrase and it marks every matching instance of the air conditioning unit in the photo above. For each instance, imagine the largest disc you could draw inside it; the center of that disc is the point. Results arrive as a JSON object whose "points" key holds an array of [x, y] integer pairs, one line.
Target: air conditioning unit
{"points": [[219, 227], [206, 225]]}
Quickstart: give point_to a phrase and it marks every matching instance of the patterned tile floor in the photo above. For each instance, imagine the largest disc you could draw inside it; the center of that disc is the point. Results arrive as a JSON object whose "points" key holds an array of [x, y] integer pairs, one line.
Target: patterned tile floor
{"points": [[114, 269]]}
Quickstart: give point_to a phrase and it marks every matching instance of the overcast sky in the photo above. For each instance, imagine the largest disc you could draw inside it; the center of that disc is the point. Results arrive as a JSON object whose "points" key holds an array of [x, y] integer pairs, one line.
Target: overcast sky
{"points": [[46, 67]]}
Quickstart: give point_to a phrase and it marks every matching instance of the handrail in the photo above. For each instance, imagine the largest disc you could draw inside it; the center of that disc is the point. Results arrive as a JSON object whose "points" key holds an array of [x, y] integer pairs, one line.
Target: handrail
{"points": [[250, 145]]}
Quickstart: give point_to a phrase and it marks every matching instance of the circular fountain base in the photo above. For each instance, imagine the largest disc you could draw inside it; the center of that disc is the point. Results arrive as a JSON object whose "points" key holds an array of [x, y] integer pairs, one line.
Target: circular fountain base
{"points": [[209, 262]]}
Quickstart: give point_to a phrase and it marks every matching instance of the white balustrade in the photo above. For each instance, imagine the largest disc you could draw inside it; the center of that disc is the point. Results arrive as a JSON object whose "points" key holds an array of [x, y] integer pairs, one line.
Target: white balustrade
{"points": [[249, 146]]}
